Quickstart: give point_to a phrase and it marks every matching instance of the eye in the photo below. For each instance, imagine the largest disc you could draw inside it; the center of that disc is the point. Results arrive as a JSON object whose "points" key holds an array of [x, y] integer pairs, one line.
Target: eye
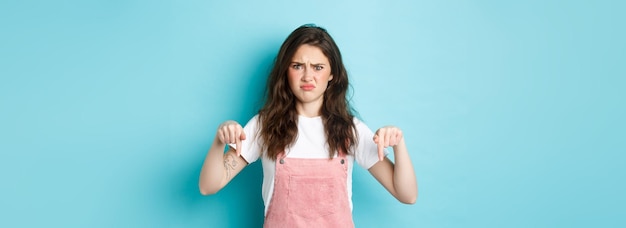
{"points": [[296, 66], [319, 67]]}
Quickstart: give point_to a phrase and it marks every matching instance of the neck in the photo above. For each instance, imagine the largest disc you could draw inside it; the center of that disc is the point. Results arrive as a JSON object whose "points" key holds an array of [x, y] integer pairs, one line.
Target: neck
{"points": [[310, 109]]}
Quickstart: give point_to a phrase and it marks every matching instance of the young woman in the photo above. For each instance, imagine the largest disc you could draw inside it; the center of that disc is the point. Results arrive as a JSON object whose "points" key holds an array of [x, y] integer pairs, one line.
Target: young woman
{"points": [[308, 140]]}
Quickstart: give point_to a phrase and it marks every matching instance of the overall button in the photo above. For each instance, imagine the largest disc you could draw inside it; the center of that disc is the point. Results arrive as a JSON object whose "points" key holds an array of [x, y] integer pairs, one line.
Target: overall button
{"points": [[283, 161], [342, 161]]}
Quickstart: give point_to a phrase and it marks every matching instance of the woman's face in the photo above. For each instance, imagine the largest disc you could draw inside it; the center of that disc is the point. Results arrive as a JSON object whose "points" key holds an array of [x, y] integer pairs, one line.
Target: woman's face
{"points": [[309, 74]]}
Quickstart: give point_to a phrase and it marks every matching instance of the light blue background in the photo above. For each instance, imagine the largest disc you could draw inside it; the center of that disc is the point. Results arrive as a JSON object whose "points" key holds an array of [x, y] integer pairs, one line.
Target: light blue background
{"points": [[513, 111]]}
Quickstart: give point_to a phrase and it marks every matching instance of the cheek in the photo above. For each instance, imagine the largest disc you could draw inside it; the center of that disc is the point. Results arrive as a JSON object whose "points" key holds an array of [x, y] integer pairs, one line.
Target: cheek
{"points": [[293, 75], [323, 76]]}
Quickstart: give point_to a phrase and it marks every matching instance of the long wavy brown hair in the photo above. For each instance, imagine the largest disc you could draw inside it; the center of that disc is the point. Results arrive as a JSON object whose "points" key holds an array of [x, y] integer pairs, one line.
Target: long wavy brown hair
{"points": [[279, 119]]}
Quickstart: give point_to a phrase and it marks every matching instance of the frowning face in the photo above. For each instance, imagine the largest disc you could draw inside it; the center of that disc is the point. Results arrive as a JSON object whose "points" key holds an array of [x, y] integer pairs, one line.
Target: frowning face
{"points": [[308, 74]]}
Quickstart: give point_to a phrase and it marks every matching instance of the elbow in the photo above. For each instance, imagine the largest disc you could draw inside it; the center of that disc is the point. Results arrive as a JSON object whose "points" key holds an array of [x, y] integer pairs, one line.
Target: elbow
{"points": [[409, 199], [205, 191]]}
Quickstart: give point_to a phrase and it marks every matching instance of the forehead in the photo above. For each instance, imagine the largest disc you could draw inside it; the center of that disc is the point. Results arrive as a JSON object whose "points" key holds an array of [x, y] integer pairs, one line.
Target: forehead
{"points": [[309, 53]]}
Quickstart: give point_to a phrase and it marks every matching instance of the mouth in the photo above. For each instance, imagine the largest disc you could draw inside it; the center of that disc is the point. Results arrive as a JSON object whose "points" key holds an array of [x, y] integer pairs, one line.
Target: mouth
{"points": [[307, 87]]}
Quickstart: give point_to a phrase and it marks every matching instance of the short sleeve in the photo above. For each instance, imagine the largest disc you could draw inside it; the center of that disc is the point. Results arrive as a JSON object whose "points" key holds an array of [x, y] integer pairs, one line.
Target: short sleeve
{"points": [[366, 153], [251, 146]]}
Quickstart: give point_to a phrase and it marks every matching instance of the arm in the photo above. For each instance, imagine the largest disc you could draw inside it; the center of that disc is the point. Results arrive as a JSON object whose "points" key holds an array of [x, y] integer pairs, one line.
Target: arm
{"points": [[399, 178], [219, 168]]}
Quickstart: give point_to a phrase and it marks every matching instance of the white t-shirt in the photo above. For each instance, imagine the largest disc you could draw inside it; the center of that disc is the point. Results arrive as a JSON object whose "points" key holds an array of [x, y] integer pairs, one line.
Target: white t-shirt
{"points": [[310, 143]]}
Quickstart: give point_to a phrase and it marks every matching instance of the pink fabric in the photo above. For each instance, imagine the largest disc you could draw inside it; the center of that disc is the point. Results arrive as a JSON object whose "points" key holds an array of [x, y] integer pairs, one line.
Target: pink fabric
{"points": [[310, 193]]}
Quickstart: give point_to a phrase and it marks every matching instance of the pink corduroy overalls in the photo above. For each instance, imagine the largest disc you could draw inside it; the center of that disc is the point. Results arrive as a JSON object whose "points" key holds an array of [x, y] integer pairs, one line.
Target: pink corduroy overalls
{"points": [[310, 193]]}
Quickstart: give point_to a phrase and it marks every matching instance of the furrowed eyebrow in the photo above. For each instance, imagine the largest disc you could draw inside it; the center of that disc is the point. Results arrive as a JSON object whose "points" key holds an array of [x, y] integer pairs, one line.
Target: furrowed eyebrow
{"points": [[313, 64]]}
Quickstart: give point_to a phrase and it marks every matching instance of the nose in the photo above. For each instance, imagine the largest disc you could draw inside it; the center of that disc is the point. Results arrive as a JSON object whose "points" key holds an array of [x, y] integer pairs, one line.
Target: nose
{"points": [[307, 75]]}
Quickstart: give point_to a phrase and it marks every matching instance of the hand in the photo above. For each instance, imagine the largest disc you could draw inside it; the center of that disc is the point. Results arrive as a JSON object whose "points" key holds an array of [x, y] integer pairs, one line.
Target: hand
{"points": [[231, 132], [385, 137]]}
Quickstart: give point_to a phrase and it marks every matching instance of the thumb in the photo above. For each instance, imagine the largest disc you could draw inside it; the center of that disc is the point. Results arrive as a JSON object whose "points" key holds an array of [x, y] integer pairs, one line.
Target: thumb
{"points": [[242, 136]]}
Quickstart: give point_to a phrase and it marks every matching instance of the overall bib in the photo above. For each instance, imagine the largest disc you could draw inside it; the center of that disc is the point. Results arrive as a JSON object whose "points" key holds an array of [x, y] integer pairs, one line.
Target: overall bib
{"points": [[310, 193]]}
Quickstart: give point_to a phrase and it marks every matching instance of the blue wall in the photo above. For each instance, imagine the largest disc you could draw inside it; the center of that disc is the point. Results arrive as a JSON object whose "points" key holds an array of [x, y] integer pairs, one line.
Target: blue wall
{"points": [[513, 111]]}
